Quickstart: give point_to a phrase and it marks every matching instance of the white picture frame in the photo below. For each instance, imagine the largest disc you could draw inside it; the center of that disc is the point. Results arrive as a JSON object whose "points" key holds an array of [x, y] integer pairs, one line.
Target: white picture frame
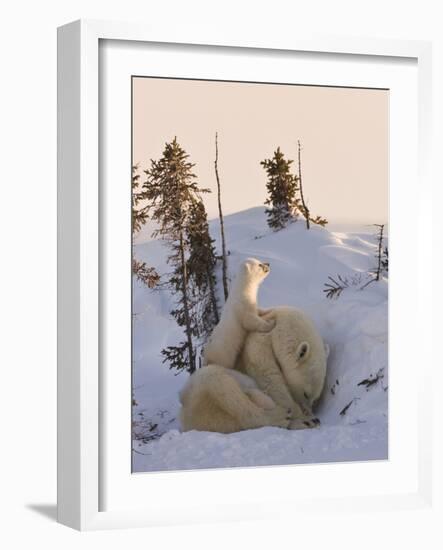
{"points": [[82, 409]]}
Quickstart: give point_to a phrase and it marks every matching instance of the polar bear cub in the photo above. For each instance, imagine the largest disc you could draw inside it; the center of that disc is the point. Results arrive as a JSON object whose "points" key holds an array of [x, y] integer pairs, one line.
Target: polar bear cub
{"points": [[289, 363], [240, 315], [218, 399]]}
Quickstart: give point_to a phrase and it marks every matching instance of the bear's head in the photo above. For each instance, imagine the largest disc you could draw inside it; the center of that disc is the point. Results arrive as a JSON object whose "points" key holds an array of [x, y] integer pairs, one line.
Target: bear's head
{"points": [[305, 378], [255, 269]]}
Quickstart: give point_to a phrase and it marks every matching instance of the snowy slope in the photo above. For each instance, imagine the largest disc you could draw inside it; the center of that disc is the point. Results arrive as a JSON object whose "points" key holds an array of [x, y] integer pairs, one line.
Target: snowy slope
{"points": [[354, 325]]}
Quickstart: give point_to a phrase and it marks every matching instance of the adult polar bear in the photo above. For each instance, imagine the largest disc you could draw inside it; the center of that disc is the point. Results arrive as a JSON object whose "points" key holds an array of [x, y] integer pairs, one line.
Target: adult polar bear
{"points": [[289, 363], [217, 399], [277, 379]]}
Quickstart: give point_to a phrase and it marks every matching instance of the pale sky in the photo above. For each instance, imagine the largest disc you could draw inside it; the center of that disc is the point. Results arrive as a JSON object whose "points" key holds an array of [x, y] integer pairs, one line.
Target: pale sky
{"points": [[344, 135]]}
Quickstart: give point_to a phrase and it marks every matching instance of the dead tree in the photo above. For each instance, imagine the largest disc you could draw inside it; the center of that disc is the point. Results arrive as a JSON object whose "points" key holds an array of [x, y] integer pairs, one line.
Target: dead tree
{"points": [[379, 256], [222, 227], [305, 209]]}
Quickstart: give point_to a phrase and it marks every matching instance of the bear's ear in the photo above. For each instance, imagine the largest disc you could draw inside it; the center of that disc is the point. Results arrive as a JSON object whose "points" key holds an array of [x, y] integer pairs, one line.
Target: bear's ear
{"points": [[248, 267], [302, 351]]}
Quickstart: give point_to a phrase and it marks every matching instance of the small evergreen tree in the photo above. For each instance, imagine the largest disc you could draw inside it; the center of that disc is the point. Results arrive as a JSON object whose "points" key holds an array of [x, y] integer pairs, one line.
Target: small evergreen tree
{"points": [[144, 273], [172, 191], [334, 287], [378, 271], [201, 268], [139, 213], [282, 189], [385, 260]]}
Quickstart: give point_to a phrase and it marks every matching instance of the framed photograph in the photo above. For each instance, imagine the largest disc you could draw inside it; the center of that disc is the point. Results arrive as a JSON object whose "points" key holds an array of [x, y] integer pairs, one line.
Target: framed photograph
{"points": [[232, 226]]}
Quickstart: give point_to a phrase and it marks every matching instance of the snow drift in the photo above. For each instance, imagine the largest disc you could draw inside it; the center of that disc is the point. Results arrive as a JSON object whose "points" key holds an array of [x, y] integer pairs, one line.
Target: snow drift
{"points": [[354, 406]]}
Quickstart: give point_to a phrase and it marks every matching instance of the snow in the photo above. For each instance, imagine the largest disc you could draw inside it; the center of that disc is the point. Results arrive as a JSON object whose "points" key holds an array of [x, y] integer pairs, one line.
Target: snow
{"points": [[355, 325]]}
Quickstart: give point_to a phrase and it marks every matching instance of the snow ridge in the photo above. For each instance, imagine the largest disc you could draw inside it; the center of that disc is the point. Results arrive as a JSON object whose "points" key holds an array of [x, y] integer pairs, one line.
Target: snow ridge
{"points": [[354, 406]]}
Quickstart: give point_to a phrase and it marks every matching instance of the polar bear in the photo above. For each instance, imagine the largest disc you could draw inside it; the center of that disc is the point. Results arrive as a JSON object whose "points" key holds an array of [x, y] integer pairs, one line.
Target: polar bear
{"points": [[218, 399], [240, 315], [289, 363], [279, 375]]}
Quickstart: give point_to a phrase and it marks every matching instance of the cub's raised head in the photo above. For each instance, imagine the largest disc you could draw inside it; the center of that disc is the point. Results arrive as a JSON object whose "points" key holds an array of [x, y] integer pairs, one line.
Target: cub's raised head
{"points": [[256, 269]]}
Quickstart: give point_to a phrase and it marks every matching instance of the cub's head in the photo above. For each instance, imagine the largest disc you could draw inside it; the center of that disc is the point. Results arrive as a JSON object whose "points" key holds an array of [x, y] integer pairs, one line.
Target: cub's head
{"points": [[256, 270]]}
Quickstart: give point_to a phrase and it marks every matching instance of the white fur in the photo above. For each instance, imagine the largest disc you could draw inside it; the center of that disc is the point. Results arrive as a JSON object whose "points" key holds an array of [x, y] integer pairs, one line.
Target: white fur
{"points": [[288, 364], [282, 371], [224, 400], [240, 315]]}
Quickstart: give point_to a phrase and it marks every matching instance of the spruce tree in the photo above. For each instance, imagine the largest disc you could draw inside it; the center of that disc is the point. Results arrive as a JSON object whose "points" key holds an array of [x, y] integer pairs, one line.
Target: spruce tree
{"points": [[139, 213], [282, 188], [385, 260], [378, 271], [201, 268], [172, 193], [144, 273]]}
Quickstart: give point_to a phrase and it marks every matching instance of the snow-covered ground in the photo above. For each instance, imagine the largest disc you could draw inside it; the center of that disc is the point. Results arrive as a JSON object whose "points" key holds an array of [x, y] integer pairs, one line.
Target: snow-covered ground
{"points": [[354, 416]]}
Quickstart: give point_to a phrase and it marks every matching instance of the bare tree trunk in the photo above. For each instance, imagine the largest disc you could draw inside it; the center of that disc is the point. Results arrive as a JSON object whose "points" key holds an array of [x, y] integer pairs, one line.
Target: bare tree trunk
{"points": [[306, 209], [184, 279], [222, 227], [213, 298], [380, 247]]}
